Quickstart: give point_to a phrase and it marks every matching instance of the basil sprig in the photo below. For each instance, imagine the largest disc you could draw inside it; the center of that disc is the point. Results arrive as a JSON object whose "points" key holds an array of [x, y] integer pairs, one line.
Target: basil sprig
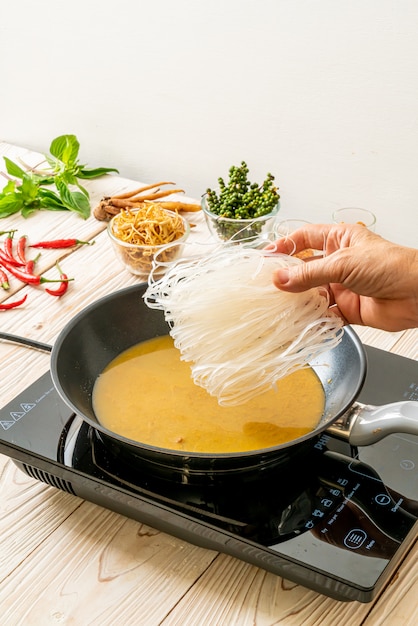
{"points": [[30, 190]]}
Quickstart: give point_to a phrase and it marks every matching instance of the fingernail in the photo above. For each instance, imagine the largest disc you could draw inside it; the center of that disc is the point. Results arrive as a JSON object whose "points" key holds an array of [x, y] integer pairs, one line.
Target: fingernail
{"points": [[282, 275]]}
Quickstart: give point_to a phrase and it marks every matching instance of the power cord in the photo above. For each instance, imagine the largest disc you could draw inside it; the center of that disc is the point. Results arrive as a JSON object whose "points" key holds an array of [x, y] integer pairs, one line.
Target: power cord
{"points": [[30, 343]]}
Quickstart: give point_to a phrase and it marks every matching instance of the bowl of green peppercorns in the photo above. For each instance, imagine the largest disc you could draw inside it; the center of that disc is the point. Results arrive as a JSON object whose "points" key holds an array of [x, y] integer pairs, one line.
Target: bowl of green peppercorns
{"points": [[241, 211]]}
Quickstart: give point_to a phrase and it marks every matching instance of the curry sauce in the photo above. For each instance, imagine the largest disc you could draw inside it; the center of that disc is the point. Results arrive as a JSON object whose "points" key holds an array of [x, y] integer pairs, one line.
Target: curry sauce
{"points": [[147, 395]]}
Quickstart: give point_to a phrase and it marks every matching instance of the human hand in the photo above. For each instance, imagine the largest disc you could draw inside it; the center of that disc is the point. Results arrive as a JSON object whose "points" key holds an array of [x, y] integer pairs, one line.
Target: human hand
{"points": [[371, 281]]}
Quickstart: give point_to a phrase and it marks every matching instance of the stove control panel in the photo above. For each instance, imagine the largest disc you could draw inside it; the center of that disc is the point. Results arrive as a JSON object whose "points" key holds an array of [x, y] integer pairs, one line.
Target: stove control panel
{"points": [[356, 523], [395, 460]]}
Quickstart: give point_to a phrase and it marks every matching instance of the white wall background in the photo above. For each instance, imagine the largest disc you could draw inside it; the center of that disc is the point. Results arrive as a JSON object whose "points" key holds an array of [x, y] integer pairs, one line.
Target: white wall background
{"points": [[322, 93]]}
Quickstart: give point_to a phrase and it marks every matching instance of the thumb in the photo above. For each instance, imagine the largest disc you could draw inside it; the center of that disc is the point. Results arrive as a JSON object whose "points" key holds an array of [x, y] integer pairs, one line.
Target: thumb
{"points": [[301, 277]]}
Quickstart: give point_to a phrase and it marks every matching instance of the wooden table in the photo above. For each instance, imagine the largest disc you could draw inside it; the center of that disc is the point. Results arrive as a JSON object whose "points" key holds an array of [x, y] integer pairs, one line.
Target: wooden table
{"points": [[67, 561]]}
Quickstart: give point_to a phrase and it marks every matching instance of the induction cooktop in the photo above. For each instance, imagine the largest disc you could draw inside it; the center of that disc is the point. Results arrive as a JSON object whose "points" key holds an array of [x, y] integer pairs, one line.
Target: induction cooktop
{"points": [[338, 520]]}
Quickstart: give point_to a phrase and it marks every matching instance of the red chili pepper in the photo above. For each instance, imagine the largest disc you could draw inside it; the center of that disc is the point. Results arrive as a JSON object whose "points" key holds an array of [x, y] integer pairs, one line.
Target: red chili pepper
{"points": [[31, 279], [4, 280], [60, 291], [8, 248], [11, 305], [21, 249], [30, 265], [61, 243], [8, 244], [6, 258], [25, 277]]}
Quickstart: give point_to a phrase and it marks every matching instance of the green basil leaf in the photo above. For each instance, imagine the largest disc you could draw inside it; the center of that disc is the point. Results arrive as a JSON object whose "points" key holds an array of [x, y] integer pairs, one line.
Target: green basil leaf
{"points": [[10, 187], [80, 204], [29, 188], [74, 200], [95, 172], [51, 201], [13, 169], [65, 148], [28, 210], [10, 204]]}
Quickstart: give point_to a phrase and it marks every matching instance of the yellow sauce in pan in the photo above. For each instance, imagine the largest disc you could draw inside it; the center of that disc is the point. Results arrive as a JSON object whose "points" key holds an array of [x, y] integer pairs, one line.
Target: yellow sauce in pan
{"points": [[147, 394]]}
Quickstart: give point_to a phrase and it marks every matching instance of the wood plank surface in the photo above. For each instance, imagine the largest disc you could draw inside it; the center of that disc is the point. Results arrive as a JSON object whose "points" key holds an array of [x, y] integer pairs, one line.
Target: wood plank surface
{"points": [[64, 561], [99, 567]]}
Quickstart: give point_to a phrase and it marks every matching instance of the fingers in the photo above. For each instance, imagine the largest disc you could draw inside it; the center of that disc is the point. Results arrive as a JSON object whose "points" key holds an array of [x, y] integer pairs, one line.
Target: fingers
{"points": [[296, 278], [312, 236], [325, 237]]}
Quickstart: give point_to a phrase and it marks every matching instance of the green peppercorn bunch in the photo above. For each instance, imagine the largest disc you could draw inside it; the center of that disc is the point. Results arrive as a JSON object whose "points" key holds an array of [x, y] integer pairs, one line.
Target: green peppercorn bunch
{"points": [[239, 199]]}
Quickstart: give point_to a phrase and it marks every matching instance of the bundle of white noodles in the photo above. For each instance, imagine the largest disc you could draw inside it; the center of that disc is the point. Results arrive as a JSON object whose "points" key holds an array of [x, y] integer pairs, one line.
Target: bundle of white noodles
{"points": [[239, 332]]}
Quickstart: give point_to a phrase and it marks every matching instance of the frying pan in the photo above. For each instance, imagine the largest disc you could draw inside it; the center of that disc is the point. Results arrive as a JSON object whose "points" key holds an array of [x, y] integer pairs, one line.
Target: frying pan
{"points": [[116, 322]]}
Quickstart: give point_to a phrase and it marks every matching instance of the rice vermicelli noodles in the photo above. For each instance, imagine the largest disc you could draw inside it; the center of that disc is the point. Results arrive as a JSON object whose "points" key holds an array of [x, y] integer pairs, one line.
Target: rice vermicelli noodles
{"points": [[238, 331]]}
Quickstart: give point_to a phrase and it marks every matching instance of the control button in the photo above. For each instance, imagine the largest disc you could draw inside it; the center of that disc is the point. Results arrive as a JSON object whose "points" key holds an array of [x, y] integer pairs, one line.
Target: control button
{"points": [[326, 502], [407, 464], [355, 538], [342, 481], [383, 499]]}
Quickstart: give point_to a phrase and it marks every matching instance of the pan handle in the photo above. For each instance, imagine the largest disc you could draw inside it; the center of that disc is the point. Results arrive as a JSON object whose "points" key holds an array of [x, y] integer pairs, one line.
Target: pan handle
{"points": [[364, 424]]}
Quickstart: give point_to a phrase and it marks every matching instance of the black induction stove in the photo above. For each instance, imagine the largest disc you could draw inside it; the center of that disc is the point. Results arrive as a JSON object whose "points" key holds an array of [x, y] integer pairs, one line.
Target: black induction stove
{"points": [[338, 520]]}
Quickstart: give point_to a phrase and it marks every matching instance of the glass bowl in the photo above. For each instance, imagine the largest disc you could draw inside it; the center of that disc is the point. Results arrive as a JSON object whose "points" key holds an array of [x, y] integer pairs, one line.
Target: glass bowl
{"points": [[286, 227], [355, 215], [249, 231], [139, 259]]}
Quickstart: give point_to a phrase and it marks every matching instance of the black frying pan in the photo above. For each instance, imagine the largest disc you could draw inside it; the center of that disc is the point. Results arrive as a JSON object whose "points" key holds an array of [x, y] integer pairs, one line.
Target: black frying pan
{"points": [[114, 323]]}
